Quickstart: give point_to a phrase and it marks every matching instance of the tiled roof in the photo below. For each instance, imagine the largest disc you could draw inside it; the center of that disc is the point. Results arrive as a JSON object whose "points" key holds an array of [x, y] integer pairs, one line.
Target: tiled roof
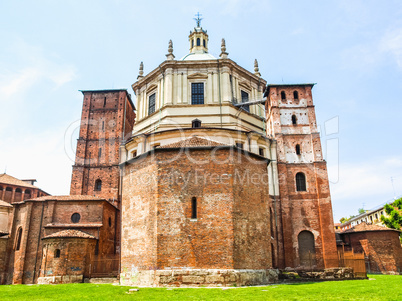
{"points": [[5, 204], [194, 141], [70, 233], [68, 198], [367, 227], [7, 179]]}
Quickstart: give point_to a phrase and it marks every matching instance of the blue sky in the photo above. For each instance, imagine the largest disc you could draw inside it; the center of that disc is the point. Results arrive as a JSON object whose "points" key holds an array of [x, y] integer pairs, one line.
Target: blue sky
{"points": [[351, 49]]}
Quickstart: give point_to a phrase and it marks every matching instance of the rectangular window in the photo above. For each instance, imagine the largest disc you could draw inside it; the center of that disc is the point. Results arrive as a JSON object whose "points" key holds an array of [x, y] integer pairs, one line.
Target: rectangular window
{"points": [[194, 208], [151, 104], [197, 93], [244, 98], [261, 151], [239, 145]]}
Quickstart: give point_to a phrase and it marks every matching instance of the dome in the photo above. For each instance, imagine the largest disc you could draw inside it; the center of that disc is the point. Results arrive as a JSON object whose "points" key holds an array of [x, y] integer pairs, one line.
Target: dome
{"points": [[198, 57]]}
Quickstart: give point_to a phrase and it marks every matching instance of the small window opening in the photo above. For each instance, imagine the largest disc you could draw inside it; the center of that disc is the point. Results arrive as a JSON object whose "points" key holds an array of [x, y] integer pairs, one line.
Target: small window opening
{"points": [[110, 221], [203, 43], [261, 151], [151, 104], [239, 145], [75, 218], [134, 154], [196, 123], [19, 237], [298, 149], [192, 43], [194, 207], [57, 253], [283, 96], [97, 247], [104, 102], [198, 42], [300, 182], [295, 95], [244, 98], [294, 120], [103, 125], [156, 145], [98, 185], [100, 153]]}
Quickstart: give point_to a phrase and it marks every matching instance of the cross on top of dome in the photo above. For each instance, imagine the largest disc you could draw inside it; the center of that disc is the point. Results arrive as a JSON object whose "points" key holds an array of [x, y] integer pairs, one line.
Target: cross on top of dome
{"points": [[198, 19]]}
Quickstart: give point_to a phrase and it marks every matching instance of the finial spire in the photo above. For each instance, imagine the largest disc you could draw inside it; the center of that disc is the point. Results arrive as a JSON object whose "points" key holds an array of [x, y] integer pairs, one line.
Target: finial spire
{"points": [[198, 19], [256, 69], [223, 54], [141, 72], [170, 55]]}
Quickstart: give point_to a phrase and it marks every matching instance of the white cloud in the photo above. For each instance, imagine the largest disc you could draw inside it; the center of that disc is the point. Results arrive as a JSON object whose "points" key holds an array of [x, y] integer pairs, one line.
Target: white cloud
{"points": [[368, 183], [391, 43], [31, 65]]}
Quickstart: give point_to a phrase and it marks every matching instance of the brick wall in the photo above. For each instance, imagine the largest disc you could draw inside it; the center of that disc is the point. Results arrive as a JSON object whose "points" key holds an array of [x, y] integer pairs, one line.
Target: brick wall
{"points": [[232, 228], [382, 249]]}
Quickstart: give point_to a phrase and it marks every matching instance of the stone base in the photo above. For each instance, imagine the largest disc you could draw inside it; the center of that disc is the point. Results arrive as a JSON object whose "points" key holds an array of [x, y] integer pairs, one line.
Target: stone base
{"points": [[61, 279], [101, 280], [199, 277], [326, 274]]}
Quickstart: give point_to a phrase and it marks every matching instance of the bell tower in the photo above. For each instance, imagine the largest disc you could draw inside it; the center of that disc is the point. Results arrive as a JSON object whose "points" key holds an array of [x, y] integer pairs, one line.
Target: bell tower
{"points": [[107, 120], [306, 228]]}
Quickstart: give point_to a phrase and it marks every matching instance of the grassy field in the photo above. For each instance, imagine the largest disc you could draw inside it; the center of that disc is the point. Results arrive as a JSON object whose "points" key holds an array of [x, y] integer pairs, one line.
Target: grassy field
{"points": [[379, 287]]}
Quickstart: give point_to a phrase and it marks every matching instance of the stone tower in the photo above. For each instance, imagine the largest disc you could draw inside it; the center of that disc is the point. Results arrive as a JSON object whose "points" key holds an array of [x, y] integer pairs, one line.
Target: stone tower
{"points": [[107, 121], [305, 230]]}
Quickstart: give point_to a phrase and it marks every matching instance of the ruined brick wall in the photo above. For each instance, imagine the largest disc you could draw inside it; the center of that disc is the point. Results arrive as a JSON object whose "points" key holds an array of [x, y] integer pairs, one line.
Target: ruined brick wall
{"points": [[291, 121], [382, 249], [231, 229], [107, 118]]}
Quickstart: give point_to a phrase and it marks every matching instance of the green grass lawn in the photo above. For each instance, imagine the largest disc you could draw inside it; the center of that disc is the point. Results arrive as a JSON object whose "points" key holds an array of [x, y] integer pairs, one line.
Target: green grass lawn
{"points": [[381, 287]]}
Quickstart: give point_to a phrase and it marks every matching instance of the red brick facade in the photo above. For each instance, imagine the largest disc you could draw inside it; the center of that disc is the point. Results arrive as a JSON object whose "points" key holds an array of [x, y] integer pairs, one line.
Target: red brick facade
{"points": [[291, 122], [37, 218], [231, 229], [381, 247], [107, 120]]}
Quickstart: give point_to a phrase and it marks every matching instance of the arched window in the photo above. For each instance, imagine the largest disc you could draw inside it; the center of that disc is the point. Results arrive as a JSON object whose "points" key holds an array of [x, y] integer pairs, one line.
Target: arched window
{"points": [[295, 95], [98, 185], [306, 248], [298, 149], [300, 182], [57, 253], [1, 188], [196, 123], [194, 207], [192, 43], [203, 43], [283, 96], [294, 119], [198, 42], [18, 239], [27, 194], [75, 218]]}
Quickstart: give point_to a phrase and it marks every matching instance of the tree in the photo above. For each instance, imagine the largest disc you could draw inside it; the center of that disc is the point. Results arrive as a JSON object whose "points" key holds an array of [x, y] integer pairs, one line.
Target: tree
{"points": [[361, 211], [394, 211]]}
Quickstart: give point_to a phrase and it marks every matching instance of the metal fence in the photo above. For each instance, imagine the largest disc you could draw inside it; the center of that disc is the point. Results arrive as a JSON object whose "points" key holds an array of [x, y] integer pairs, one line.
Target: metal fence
{"points": [[104, 268]]}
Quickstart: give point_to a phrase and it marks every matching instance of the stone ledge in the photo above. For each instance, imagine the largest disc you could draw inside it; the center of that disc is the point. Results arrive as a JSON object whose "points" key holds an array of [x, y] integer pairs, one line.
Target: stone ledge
{"points": [[199, 277], [61, 279]]}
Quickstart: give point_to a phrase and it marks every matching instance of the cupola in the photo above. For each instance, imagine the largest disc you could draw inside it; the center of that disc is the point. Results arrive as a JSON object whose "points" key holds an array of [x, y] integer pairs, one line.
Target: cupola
{"points": [[198, 38]]}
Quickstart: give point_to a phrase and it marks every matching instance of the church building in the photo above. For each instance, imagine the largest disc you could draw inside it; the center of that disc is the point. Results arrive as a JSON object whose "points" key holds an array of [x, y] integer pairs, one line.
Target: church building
{"points": [[213, 177]]}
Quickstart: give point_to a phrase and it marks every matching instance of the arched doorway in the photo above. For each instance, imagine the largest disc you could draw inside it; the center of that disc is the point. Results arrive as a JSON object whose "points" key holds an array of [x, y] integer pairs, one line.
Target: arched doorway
{"points": [[306, 249]]}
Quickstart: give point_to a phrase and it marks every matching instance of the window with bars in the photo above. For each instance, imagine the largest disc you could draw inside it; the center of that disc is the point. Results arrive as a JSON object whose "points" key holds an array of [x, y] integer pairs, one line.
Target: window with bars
{"points": [[244, 98], [151, 104], [197, 93]]}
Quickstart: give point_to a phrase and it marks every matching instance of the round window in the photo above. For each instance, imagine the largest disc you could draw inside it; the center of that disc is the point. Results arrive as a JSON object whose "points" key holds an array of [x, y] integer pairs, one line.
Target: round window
{"points": [[75, 218]]}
